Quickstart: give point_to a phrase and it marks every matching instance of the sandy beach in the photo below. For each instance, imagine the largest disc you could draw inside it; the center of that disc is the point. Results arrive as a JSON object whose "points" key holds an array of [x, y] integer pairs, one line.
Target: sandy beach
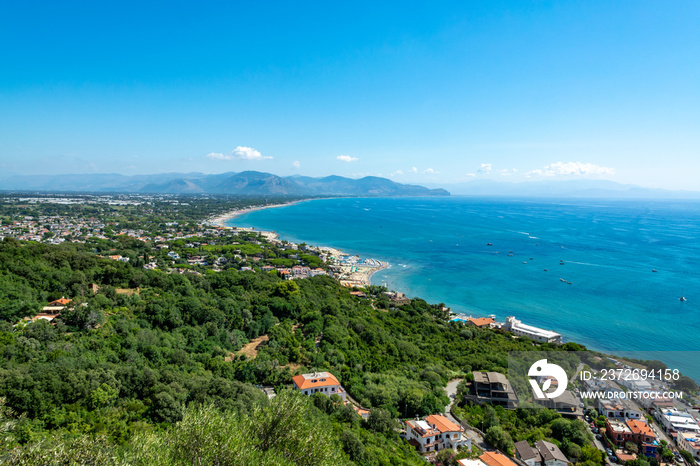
{"points": [[221, 220], [358, 275]]}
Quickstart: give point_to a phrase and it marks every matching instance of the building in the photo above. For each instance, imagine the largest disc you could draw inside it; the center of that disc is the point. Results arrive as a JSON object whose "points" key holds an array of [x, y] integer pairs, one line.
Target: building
{"points": [[397, 298], [319, 382], [674, 421], [690, 442], [494, 388], [435, 433], [481, 322], [551, 454], [618, 431], [566, 404], [643, 437], [618, 409], [516, 327], [491, 458], [527, 454], [468, 462]]}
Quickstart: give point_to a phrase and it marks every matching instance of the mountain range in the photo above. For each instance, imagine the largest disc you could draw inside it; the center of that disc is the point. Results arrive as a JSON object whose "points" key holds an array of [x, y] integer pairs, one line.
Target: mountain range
{"points": [[249, 183]]}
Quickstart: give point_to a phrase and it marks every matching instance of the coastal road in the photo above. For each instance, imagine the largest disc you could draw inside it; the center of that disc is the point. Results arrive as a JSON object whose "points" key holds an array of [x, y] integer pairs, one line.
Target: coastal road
{"points": [[476, 437]]}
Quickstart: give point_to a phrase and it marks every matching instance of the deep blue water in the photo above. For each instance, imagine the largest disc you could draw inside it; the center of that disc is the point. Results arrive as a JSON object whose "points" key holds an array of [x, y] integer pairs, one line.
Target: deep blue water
{"points": [[438, 251]]}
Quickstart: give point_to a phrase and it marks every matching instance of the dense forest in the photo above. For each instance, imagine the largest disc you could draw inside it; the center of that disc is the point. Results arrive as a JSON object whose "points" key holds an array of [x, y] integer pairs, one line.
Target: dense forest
{"points": [[115, 366]]}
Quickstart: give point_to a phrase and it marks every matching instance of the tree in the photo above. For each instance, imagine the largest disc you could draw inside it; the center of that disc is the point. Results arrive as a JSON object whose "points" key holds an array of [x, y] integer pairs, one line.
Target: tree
{"points": [[688, 457], [589, 453], [632, 447], [380, 420], [446, 457], [353, 446], [499, 438]]}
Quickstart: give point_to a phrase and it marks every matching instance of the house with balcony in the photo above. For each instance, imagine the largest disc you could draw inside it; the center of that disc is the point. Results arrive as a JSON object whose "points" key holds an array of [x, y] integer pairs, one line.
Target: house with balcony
{"points": [[494, 388], [643, 437], [435, 433]]}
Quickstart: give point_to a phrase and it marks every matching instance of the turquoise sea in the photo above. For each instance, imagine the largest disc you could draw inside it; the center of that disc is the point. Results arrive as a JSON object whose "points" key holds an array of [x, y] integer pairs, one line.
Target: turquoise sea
{"points": [[438, 250]]}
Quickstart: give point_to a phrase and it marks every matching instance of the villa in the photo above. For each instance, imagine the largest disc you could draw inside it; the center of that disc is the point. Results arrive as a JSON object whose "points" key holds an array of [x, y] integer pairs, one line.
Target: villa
{"points": [[435, 433], [319, 382]]}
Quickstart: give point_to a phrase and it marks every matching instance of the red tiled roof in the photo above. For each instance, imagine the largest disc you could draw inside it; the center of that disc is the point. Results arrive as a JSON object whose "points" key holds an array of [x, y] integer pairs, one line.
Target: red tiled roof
{"points": [[481, 321], [60, 302], [321, 379], [442, 423], [640, 427], [495, 459]]}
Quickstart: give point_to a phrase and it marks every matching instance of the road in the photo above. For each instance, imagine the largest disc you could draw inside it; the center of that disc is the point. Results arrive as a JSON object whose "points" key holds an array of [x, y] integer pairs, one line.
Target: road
{"points": [[477, 439]]}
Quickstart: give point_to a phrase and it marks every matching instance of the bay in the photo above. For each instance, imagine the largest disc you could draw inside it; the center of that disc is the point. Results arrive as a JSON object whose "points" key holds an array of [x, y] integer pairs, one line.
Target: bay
{"points": [[457, 251]]}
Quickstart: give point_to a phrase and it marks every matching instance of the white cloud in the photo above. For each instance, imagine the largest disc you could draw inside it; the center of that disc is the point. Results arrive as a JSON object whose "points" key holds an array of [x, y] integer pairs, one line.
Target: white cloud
{"points": [[484, 169], [347, 158], [413, 170], [506, 172], [296, 164], [248, 153], [240, 152], [471, 174], [430, 171], [572, 169], [397, 172]]}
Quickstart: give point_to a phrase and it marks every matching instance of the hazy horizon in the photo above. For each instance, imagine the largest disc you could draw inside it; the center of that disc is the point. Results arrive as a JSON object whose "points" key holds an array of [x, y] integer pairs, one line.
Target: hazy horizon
{"points": [[420, 94]]}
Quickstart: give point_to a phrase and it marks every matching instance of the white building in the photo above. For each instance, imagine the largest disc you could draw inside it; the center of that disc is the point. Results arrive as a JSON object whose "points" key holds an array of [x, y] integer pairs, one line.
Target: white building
{"points": [[516, 327], [435, 433], [673, 420], [618, 409], [689, 441], [319, 382]]}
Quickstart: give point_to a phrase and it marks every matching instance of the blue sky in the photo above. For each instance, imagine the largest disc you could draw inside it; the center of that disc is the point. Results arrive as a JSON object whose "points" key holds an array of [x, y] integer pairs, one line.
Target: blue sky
{"points": [[429, 92]]}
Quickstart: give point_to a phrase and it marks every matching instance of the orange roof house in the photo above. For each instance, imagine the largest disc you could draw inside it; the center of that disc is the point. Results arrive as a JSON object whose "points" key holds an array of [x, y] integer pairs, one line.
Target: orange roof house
{"points": [[496, 459], [435, 433], [442, 424], [640, 428], [61, 302], [481, 322], [318, 382]]}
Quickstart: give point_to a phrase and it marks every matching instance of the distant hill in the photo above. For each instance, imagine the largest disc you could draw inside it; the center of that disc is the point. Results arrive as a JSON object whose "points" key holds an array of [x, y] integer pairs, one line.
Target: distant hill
{"points": [[250, 183]]}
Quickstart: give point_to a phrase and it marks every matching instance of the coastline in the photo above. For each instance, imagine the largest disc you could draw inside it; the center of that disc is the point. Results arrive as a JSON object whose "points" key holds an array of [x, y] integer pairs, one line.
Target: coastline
{"points": [[506, 307], [354, 275], [220, 220]]}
